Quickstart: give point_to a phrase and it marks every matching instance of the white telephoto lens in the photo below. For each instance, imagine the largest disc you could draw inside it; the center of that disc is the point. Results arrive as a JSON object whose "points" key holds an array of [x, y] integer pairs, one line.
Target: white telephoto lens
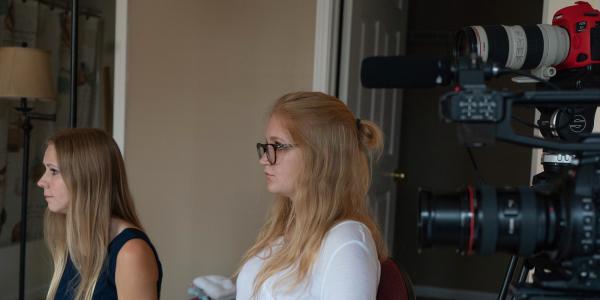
{"points": [[517, 47], [556, 45]]}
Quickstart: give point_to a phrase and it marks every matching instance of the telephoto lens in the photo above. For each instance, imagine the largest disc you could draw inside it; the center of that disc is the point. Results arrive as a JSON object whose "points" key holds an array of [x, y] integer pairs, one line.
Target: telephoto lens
{"points": [[515, 47]]}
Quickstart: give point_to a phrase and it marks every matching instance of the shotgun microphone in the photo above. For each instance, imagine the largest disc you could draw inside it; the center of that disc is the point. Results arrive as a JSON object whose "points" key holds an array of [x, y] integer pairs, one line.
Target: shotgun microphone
{"points": [[405, 72]]}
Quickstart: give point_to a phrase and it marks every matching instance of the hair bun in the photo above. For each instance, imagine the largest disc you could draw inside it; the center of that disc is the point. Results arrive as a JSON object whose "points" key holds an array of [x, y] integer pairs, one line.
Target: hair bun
{"points": [[370, 137]]}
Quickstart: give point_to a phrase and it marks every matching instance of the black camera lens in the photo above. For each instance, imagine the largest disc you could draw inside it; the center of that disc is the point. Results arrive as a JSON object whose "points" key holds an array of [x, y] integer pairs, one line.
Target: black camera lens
{"points": [[515, 47], [444, 219], [487, 220]]}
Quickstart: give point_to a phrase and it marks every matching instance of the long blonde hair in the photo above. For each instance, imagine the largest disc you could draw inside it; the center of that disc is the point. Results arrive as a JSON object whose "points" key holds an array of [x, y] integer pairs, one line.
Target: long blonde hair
{"points": [[332, 187], [94, 174]]}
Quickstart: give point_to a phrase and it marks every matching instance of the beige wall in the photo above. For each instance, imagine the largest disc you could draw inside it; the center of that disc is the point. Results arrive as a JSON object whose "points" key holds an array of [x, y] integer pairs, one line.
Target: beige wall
{"points": [[200, 77]]}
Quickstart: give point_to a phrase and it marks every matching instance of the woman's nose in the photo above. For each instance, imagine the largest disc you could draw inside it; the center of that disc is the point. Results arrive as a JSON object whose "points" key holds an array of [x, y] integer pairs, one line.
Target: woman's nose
{"points": [[263, 160], [41, 182]]}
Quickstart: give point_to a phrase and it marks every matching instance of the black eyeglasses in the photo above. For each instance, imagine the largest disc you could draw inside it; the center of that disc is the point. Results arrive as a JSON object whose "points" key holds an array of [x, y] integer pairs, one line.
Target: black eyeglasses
{"points": [[271, 150]]}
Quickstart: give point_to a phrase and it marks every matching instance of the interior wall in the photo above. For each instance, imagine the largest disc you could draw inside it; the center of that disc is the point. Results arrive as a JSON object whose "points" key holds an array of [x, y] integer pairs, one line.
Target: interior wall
{"points": [[200, 78], [432, 156]]}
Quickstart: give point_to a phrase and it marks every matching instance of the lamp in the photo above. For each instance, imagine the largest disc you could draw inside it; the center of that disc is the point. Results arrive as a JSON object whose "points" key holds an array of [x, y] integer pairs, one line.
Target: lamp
{"points": [[25, 73]]}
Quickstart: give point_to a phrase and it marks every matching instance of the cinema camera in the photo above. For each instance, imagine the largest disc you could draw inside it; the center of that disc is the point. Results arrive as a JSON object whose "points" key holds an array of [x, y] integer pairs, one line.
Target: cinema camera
{"points": [[551, 228]]}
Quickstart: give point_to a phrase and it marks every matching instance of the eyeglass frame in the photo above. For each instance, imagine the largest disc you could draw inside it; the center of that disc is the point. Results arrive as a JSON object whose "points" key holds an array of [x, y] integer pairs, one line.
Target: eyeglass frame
{"points": [[276, 147]]}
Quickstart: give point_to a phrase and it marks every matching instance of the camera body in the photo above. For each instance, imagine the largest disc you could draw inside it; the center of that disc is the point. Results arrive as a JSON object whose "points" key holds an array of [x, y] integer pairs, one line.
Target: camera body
{"points": [[582, 23]]}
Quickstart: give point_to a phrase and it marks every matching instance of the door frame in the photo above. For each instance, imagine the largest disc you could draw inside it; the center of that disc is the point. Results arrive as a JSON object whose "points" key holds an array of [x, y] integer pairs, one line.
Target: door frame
{"points": [[120, 77], [327, 28]]}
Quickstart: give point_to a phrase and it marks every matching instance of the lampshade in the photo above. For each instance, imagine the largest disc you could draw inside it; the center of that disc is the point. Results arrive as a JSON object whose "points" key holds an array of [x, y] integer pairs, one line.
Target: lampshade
{"points": [[25, 73]]}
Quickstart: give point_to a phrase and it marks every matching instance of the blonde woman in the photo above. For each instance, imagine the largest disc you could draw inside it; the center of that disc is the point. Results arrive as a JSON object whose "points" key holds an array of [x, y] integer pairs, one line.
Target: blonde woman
{"points": [[319, 241], [96, 240]]}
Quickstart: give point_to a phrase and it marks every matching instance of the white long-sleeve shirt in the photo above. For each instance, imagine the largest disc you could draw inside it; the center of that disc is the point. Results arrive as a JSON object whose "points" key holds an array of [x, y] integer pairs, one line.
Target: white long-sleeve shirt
{"points": [[346, 268]]}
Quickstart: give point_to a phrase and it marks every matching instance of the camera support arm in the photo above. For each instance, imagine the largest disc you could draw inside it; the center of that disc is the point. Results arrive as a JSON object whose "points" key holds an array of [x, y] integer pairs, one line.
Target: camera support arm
{"points": [[481, 106], [504, 130]]}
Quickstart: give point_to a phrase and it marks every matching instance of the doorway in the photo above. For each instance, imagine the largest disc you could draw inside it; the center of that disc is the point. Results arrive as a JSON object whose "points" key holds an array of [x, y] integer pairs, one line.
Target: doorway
{"points": [[427, 150], [432, 157]]}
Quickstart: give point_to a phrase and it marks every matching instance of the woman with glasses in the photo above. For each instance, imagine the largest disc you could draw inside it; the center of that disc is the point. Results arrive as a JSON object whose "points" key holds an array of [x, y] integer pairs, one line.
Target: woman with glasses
{"points": [[319, 241], [95, 238]]}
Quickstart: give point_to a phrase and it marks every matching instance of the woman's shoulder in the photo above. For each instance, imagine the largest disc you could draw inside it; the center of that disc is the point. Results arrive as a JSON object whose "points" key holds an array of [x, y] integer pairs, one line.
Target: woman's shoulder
{"points": [[137, 268], [131, 248], [348, 232], [348, 243], [127, 239], [135, 247], [130, 245], [118, 226], [136, 254]]}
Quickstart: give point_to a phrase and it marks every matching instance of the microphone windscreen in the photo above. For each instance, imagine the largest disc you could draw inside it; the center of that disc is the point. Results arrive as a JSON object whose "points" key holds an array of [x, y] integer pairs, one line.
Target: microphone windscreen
{"points": [[404, 72]]}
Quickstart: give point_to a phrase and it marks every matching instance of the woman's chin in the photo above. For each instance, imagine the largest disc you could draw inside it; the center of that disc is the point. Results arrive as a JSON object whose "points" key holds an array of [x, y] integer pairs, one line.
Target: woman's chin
{"points": [[57, 210]]}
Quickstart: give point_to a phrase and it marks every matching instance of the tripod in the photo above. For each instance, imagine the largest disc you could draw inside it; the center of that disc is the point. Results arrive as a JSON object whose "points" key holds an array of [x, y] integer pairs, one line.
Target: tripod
{"points": [[575, 278]]}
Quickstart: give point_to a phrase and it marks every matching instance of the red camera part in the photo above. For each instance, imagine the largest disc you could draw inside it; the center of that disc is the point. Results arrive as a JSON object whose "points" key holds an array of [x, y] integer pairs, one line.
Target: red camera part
{"points": [[582, 22]]}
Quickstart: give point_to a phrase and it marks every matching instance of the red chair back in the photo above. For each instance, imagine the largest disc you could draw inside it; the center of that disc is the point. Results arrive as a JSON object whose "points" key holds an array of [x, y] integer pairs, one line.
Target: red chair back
{"points": [[394, 283]]}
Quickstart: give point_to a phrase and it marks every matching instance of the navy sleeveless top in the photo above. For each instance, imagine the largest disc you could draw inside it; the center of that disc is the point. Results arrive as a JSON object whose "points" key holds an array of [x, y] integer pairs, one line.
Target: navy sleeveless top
{"points": [[106, 287]]}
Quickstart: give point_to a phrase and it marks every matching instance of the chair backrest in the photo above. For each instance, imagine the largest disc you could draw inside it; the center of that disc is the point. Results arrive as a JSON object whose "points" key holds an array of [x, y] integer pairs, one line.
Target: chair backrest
{"points": [[394, 283]]}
